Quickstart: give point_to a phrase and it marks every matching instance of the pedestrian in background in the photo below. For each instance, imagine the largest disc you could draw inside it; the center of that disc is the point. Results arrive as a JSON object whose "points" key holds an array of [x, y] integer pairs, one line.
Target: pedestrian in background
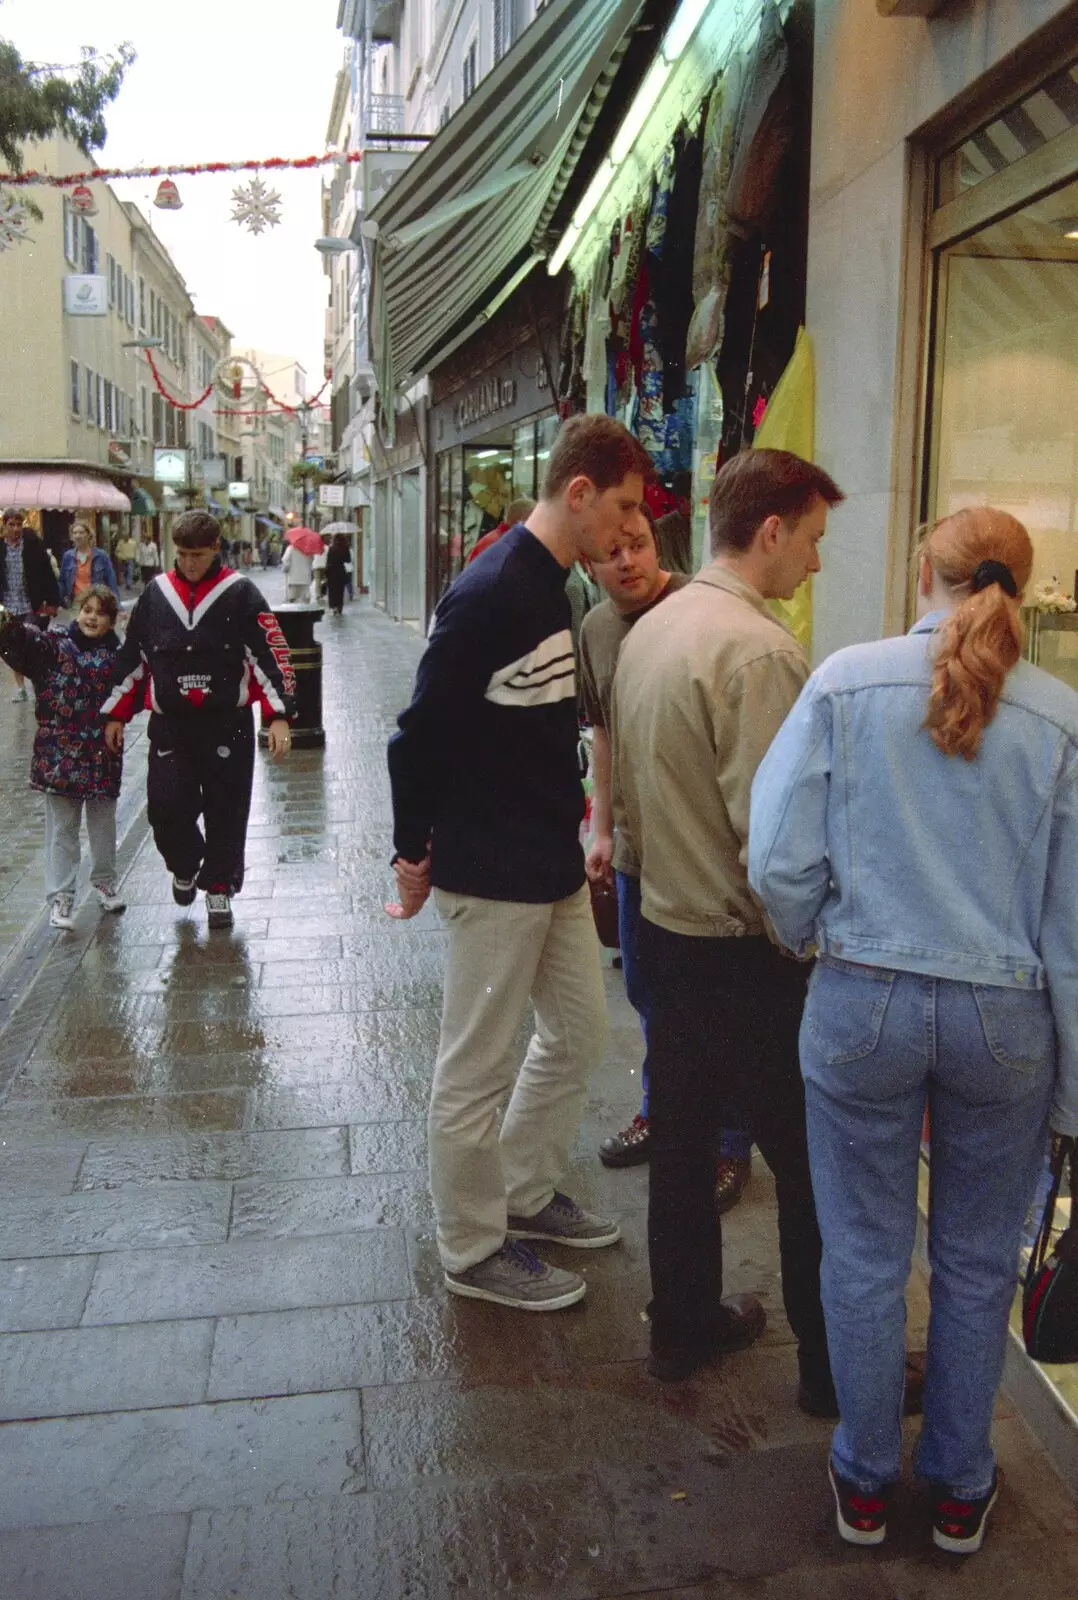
{"points": [[148, 559], [703, 684], [516, 511], [126, 555], [202, 648], [71, 764], [487, 805], [336, 572], [28, 586], [83, 566], [917, 819], [297, 572]]}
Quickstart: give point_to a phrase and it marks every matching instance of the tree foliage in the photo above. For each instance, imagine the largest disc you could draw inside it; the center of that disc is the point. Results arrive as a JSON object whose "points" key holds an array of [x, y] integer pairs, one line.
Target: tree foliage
{"points": [[36, 100]]}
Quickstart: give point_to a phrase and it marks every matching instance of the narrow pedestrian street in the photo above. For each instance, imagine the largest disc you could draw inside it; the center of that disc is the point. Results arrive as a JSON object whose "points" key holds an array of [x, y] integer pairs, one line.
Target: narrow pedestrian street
{"points": [[228, 1366]]}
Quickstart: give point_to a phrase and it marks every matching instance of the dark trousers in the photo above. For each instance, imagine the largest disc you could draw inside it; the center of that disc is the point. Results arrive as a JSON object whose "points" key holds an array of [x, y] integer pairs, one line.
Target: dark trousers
{"points": [[722, 1048], [207, 773]]}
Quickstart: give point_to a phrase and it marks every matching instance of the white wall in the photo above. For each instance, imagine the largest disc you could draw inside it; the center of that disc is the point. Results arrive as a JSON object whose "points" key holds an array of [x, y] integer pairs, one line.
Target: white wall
{"points": [[876, 81]]}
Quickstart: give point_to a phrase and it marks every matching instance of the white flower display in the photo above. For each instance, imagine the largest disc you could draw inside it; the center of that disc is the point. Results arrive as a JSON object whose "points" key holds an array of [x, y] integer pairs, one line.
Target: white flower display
{"points": [[1047, 597]]}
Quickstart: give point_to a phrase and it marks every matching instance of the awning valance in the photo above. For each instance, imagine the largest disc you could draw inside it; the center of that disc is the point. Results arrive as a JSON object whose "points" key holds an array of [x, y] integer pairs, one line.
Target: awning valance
{"points": [[142, 504], [454, 226], [57, 489]]}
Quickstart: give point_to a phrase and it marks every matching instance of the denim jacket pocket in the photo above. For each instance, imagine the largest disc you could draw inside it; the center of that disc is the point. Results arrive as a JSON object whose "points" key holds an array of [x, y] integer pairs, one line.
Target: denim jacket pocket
{"points": [[1018, 1026], [845, 1009]]}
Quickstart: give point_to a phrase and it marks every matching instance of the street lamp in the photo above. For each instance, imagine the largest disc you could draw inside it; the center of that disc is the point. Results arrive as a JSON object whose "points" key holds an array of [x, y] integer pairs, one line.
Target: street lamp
{"points": [[143, 344], [334, 247]]}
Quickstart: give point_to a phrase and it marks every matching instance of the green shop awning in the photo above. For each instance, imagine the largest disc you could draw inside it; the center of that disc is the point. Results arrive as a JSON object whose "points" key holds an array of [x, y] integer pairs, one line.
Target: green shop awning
{"points": [[142, 504], [455, 223]]}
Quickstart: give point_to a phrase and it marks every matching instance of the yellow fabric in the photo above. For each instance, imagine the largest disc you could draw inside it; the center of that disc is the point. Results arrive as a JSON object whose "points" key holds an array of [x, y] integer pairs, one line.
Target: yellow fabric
{"points": [[790, 424]]}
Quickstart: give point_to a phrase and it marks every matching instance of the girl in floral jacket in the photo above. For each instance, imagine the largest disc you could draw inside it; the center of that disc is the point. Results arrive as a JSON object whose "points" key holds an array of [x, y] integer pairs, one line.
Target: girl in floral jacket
{"points": [[72, 766]]}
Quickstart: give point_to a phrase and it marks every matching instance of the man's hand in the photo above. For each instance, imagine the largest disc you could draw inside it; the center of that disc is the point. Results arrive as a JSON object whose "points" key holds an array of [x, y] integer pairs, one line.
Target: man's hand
{"points": [[114, 737], [279, 738], [599, 861], [413, 886]]}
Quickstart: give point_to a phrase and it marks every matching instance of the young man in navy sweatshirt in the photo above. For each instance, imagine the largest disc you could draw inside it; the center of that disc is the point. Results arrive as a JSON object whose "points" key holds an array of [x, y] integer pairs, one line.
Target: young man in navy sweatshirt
{"points": [[487, 805]]}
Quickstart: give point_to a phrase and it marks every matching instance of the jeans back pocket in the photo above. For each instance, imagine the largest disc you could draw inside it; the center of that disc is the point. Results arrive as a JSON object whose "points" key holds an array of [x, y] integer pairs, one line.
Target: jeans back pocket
{"points": [[1019, 1029], [845, 1009]]}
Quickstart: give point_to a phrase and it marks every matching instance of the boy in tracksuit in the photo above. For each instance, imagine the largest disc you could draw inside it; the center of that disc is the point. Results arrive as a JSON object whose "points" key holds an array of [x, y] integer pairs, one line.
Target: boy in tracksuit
{"points": [[202, 649]]}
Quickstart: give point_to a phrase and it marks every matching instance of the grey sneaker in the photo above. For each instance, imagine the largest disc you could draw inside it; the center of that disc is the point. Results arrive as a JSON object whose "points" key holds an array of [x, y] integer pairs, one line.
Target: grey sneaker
{"points": [[562, 1221], [108, 898], [515, 1276], [60, 915], [218, 910]]}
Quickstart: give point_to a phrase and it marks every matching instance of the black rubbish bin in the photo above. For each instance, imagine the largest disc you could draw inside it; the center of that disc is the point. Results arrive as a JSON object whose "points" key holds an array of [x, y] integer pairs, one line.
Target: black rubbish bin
{"points": [[297, 624]]}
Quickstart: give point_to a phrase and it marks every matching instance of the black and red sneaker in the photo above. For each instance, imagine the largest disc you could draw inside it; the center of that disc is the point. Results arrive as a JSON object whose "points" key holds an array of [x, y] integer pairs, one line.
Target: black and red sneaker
{"points": [[958, 1525], [861, 1517]]}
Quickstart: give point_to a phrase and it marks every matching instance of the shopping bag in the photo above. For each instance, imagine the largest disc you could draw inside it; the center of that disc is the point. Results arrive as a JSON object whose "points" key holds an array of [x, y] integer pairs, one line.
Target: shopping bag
{"points": [[1050, 1292]]}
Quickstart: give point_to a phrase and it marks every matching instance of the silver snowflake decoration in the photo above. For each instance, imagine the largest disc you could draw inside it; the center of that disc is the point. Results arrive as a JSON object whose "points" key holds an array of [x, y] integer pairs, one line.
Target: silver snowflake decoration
{"points": [[14, 221], [256, 207]]}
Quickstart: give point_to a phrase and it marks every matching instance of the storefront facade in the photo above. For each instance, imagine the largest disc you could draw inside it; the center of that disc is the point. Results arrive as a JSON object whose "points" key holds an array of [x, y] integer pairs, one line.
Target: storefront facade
{"points": [[943, 303], [394, 549], [492, 423]]}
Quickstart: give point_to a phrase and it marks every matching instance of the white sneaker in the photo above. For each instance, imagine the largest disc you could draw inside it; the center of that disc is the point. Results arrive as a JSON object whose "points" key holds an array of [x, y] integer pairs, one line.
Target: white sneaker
{"points": [[108, 899], [21, 694], [60, 915], [219, 911]]}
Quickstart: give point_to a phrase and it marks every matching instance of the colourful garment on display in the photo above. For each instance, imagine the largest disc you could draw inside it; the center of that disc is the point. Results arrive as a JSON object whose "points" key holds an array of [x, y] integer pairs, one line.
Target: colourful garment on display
{"points": [[711, 262], [649, 420]]}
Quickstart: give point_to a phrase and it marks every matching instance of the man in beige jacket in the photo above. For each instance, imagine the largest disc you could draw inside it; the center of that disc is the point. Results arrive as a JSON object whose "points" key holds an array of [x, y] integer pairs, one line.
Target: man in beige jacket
{"points": [[702, 686]]}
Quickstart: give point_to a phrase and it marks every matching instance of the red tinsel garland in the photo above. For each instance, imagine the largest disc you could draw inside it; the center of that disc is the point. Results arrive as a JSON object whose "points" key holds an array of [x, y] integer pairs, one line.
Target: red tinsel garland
{"points": [[67, 180], [227, 411]]}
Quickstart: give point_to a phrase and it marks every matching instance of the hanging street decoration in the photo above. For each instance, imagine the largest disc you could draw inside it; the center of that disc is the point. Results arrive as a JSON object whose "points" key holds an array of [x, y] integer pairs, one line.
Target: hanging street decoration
{"points": [[256, 207], [230, 374], [82, 201], [14, 221], [168, 196], [68, 180]]}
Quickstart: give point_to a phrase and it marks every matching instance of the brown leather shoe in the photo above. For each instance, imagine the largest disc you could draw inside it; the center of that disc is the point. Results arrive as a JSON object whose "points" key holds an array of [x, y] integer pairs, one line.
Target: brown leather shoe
{"points": [[629, 1148], [731, 1181], [743, 1321]]}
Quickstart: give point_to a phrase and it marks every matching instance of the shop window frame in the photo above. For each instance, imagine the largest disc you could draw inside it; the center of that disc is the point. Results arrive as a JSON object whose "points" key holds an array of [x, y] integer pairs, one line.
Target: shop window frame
{"points": [[930, 230]]}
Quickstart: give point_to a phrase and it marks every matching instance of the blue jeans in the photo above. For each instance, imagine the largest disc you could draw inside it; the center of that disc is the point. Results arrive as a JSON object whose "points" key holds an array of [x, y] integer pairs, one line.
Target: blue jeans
{"points": [[734, 1144], [876, 1047], [628, 927]]}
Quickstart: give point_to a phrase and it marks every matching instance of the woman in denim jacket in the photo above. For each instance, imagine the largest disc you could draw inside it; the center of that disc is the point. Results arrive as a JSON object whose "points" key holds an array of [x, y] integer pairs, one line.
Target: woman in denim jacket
{"points": [[917, 820]]}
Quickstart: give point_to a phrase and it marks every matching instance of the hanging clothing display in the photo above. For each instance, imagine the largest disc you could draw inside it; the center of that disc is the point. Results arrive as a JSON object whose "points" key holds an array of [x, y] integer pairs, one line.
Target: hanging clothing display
{"points": [[711, 258], [672, 288]]}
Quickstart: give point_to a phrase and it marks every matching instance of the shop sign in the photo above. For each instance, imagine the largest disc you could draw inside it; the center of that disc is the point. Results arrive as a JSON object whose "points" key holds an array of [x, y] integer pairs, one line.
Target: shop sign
{"points": [[120, 452], [214, 472], [86, 295], [485, 400], [380, 170], [331, 494], [170, 466], [239, 491]]}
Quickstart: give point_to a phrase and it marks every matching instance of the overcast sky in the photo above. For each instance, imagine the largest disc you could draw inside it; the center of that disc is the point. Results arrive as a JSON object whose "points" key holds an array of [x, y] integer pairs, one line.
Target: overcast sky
{"points": [[217, 80]]}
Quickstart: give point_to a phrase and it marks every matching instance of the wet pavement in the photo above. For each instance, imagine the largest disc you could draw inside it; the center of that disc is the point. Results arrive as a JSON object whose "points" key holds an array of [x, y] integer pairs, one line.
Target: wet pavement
{"points": [[228, 1367]]}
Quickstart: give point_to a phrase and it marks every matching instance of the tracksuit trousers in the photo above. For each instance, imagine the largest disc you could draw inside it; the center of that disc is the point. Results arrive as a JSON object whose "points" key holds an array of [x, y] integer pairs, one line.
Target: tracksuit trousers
{"points": [[63, 816], [202, 773]]}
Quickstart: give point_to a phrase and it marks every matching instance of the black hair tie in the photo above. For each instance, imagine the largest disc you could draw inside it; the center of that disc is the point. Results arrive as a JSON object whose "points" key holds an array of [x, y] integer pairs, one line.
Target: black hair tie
{"points": [[990, 572]]}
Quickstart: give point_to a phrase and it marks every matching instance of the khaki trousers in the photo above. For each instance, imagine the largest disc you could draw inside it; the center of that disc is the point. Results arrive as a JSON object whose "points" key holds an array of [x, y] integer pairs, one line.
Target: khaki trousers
{"points": [[503, 954]]}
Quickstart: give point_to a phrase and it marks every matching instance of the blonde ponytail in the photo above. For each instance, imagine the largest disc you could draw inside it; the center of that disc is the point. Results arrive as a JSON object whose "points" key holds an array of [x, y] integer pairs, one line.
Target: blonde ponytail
{"points": [[983, 637]]}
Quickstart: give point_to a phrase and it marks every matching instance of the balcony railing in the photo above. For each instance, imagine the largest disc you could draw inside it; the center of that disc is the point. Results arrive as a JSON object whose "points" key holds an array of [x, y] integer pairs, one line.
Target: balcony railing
{"points": [[385, 113]]}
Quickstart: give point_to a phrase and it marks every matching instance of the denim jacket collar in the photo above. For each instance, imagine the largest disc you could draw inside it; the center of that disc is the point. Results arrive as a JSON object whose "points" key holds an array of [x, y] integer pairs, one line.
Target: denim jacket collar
{"points": [[929, 623]]}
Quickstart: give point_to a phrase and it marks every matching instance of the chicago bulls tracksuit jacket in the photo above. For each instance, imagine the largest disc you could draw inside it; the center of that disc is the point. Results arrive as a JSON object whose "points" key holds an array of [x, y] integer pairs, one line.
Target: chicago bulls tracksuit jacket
{"points": [[199, 658]]}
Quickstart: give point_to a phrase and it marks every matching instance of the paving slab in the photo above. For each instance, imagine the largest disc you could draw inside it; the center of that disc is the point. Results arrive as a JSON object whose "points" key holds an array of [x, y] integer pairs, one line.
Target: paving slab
{"points": [[272, 1210], [241, 1452], [120, 1558], [297, 1352], [248, 1275], [84, 1370], [113, 1219], [44, 1293], [317, 1152]]}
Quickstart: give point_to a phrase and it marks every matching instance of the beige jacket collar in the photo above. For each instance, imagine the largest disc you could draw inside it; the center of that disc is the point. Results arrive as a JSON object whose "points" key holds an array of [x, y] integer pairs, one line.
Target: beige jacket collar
{"points": [[717, 576]]}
